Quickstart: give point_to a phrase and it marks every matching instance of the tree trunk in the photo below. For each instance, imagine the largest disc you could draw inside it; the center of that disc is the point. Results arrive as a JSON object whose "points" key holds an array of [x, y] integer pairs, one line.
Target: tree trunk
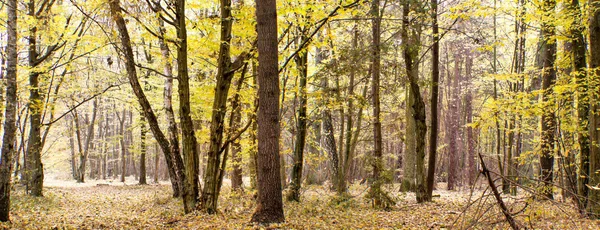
{"points": [[269, 203], [296, 178], [173, 159], [375, 188], [83, 157], [143, 131], [452, 126], [10, 121], [548, 127], [190, 154], [593, 206], [137, 89], [236, 147], [578, 65], [209, 196], [435, 77]]}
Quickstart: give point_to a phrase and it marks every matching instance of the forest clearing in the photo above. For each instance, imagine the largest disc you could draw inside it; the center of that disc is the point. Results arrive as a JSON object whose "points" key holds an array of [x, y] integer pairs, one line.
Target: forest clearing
{"points": [[105, 205], [300, 114]]}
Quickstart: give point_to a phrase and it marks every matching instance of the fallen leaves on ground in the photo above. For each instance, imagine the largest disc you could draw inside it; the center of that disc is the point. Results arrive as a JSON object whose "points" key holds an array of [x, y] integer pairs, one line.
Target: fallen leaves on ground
{"points": [[152, 207]]}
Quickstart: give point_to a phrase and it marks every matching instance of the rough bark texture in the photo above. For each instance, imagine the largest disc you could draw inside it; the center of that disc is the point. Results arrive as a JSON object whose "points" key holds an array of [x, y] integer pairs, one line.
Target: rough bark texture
{"points": [[10, 121], [593, 206], [548, 126], [269, 201], [190, 154]]}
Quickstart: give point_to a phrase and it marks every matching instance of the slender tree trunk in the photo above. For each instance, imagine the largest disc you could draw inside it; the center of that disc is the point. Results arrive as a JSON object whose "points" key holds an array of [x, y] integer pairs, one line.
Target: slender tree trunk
{"points": [[236, 147], [143, 131], [269, 203], [435, 77], [173, 157], [83, 157], [209, 196], [375, 187], [296, 178], [137, 89], [410, 54], [10, 121]]}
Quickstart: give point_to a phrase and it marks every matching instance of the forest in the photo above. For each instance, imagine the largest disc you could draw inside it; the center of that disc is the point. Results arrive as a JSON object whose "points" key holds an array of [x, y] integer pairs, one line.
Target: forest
{"points": [[300, 114]]}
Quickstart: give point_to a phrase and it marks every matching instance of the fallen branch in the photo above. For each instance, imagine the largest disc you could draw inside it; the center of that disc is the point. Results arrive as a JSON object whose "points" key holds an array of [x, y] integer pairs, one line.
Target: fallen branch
{"points": [[511, 221]]}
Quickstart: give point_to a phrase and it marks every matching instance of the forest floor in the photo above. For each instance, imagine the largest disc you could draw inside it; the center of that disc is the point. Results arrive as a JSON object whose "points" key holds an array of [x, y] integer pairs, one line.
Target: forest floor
{"points": [[98, 205]]}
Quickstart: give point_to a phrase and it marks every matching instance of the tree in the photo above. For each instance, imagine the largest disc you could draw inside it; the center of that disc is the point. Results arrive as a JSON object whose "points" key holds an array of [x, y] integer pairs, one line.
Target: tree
{"points": [[593, 205], [435, 76], [375, 188], [548, 126], [301, 125], [143, 131], [269, 201], [127, 54], [416, 106], [10, 121]]}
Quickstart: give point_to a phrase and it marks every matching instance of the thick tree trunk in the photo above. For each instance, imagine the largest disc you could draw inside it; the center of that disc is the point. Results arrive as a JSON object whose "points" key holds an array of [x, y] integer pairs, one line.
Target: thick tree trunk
{"points": [[452, 126], [269, 203], [578, 65], [10, 121], [593, 206], [548, 126]]}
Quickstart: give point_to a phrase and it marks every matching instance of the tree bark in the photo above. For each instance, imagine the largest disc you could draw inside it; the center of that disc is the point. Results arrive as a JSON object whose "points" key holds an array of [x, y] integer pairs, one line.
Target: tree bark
{"points": [[10, 115], [190, 154], [548, 127], [296, 177], [435, 77], [143, 131], [410, 52], [377, 163], [578, 65], [269, 203], [593, 206]]}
